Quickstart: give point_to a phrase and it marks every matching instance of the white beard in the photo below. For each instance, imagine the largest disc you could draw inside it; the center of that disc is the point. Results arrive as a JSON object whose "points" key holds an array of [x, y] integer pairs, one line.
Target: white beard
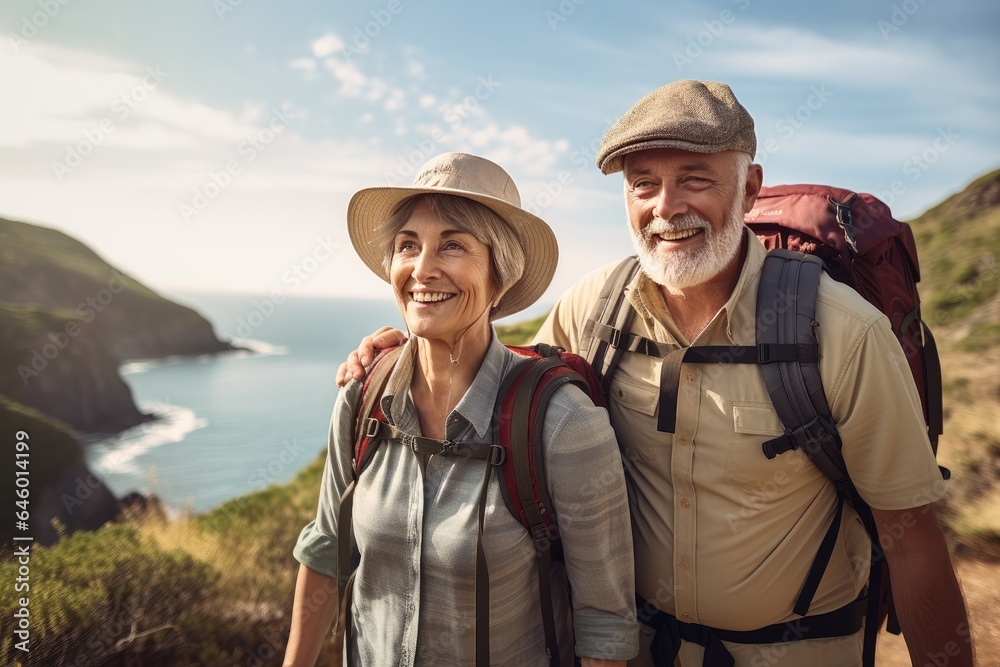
{"points": [[679, 269]]}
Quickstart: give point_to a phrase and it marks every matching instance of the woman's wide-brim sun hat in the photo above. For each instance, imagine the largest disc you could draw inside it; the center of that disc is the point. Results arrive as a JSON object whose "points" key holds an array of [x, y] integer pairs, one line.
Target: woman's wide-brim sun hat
{"points": [[474, 178]]}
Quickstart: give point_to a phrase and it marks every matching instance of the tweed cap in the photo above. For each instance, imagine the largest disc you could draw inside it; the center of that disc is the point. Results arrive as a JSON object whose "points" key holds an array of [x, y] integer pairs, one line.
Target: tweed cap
{"points": [[697, 116], [471, 177]]}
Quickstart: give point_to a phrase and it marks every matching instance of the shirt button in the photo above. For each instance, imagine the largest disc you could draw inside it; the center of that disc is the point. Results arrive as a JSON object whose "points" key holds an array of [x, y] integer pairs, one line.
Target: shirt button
{"points": [[685, 504], [685, 615], [683, 440], [683, 565], [690, 375]]}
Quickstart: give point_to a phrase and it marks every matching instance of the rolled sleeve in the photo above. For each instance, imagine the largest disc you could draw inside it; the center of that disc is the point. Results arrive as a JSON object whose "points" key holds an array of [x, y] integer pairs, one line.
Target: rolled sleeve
{"points": [[880, 420], [316, 547], [316, 550], [587, 485]]}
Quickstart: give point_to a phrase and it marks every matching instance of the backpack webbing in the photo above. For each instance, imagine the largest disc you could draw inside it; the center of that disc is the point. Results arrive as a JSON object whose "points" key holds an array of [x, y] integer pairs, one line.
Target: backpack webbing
{"points": [[788, 353], [518, 418]]}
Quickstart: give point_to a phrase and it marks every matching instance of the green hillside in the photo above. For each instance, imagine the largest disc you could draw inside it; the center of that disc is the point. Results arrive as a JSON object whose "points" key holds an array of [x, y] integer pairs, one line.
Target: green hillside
{"points": [[68, 319], [44, 266], [959, 245]]}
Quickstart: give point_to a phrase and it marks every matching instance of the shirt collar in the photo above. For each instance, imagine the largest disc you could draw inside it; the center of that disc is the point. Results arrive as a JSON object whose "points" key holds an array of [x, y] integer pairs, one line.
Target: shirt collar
{"points": [[475, 407], [739, 314]]}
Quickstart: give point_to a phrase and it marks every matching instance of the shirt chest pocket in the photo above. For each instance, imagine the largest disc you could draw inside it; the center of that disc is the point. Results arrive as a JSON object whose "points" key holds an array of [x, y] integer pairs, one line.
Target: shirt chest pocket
{"points": [[754, 423]]}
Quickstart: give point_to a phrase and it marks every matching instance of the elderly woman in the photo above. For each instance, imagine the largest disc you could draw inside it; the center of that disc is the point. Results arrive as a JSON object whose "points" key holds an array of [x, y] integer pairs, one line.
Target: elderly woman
{"points": [[459, 251]]}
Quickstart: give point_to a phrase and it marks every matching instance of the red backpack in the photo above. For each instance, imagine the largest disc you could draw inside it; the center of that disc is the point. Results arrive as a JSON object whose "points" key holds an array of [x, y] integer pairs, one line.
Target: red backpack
{"points": [[807, 229], [867, 249], [518, 417]]}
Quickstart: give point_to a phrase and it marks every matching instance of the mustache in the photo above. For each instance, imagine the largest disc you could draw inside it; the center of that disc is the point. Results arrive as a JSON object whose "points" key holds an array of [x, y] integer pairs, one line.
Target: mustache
{"points": [[678, 223]]}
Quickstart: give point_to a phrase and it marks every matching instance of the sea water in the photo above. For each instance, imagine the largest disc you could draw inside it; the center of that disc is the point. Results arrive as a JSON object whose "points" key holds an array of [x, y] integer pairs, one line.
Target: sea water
{"points": [[233, 423]]}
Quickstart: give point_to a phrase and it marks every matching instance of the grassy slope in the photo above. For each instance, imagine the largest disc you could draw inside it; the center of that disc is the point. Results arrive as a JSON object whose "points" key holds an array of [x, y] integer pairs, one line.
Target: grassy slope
{"points": [[22, 326], [214, 589], [48, 250], [39, 265], [959, 244], [520, 333]]}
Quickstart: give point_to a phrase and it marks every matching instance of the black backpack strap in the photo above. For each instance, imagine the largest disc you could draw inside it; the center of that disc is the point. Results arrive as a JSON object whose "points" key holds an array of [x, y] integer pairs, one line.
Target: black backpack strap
{"points": [[608, 322], [933, 390], [786, 314]]}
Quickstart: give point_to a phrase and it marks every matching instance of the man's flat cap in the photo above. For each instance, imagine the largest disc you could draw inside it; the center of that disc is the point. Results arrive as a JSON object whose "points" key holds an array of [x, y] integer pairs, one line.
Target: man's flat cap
{"points": [[697, 116]]}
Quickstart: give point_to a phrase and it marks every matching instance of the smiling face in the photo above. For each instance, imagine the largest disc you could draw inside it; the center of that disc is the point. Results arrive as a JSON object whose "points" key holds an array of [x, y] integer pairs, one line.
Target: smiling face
{"points": [[685, 213], [441, 277]]}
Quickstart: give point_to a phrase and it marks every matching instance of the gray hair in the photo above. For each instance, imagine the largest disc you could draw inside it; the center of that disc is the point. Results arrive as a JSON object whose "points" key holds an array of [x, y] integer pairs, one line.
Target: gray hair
{"points": [[506, 253], [742, 163]]}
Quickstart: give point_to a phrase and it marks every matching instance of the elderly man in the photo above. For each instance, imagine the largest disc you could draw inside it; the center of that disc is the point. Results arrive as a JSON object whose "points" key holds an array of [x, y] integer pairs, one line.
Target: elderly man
{"points": [[724, 538]]}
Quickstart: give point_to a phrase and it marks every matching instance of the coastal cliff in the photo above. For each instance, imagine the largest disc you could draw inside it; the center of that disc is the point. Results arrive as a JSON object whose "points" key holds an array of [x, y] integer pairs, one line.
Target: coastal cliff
{"points": [[44, 266], [68, 319]]}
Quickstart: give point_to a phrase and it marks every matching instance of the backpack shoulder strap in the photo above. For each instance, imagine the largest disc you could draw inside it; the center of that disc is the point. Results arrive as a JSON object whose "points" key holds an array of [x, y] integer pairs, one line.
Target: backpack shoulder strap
{"points": [[371, 394], [608, 322], [520, 411], [786, 314], [365, 444]]}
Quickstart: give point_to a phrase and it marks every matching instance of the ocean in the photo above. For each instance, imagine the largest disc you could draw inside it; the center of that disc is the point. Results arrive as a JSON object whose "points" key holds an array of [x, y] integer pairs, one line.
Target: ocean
{"points": [[234, 423]]}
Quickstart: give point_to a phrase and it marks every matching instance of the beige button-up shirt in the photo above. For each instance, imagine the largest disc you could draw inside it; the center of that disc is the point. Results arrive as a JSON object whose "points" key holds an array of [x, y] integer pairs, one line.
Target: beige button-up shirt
{"points": [[723, 536]]}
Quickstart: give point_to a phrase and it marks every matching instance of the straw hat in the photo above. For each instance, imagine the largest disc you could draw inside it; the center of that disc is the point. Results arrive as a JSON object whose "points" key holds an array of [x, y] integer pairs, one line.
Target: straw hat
{"points": [[474, 178]]}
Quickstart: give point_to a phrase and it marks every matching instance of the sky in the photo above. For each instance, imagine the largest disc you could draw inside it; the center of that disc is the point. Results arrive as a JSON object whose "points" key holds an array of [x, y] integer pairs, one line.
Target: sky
{"points": [[213, 145]]}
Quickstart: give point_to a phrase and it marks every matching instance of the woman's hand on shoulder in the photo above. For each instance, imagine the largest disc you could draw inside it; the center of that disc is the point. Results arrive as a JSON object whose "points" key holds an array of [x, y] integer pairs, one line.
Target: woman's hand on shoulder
{"points": [[357, 361]]}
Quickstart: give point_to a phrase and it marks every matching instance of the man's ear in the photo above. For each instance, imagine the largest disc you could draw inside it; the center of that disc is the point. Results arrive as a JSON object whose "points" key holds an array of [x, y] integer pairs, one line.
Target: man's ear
{"points": [[755, 179]]}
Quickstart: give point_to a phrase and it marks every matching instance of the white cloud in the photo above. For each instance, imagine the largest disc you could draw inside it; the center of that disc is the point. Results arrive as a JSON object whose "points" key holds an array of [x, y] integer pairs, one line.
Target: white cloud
{"points": [[326, 45], [427, 101]]}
